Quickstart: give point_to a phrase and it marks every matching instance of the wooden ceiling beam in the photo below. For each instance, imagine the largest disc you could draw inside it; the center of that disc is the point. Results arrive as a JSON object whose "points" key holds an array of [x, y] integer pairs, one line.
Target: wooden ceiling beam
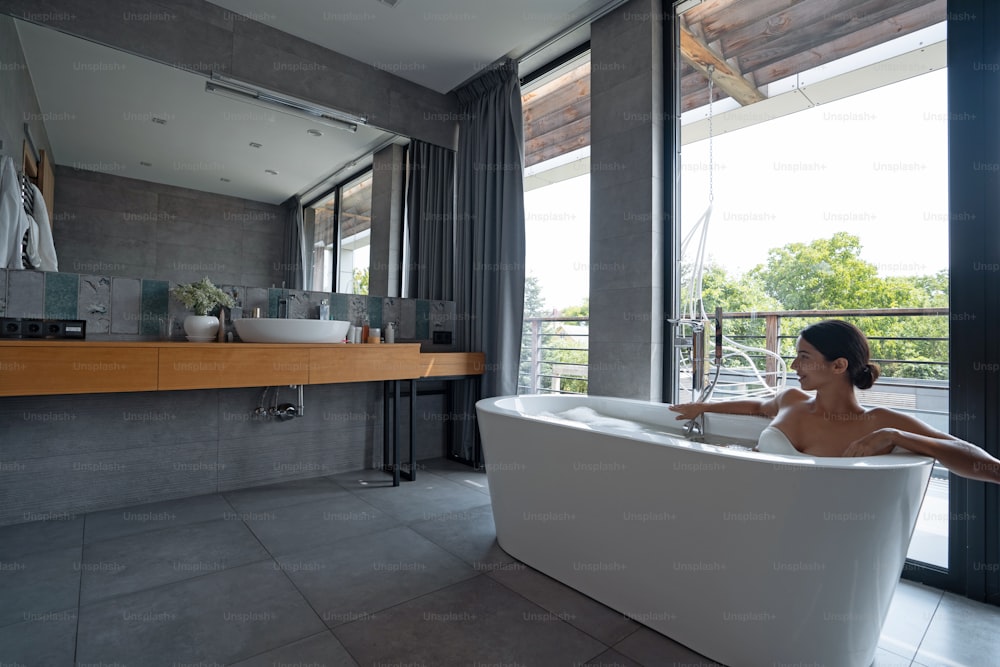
{"points": [[725, 76]]}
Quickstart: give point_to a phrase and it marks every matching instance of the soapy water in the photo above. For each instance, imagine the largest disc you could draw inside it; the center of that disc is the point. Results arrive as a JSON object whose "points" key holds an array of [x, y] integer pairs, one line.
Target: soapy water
{"points": [[597, 421], [591, 419]]}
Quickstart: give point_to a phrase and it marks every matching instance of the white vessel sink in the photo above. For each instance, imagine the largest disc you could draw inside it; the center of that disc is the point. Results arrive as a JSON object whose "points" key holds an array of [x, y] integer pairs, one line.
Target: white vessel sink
{"points": [[273, 330]]}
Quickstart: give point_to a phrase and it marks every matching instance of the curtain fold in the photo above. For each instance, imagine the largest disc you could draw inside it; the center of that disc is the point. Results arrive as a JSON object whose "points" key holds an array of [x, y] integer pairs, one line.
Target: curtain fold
{"points": [[293, 255], [489, 240], [430, 210]]}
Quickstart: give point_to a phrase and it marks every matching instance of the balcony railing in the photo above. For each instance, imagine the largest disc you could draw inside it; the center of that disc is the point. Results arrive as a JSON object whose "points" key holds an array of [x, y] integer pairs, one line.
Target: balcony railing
{"points": [[554, 357]]}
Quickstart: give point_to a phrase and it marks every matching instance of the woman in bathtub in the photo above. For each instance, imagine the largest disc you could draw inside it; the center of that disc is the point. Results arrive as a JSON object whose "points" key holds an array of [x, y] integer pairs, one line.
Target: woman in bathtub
{"points": [[832, 358]]}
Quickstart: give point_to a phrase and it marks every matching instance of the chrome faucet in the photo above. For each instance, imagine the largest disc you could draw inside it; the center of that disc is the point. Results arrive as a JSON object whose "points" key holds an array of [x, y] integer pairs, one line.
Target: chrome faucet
{"points": [[695, 428]]}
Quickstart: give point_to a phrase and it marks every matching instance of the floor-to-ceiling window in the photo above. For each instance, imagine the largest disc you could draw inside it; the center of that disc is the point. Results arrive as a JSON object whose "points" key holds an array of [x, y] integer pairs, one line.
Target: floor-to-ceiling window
{"points": [[556, 107], [823, 152]]}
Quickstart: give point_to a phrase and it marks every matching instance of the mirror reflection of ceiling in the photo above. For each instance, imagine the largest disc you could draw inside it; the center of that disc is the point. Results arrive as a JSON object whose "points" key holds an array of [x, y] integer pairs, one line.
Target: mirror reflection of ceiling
{"points": [[438, 44], [109, 111]]}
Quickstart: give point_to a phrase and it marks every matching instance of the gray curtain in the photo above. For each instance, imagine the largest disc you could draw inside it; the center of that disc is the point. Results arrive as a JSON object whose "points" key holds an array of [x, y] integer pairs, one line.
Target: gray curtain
{"points": [[293, 256], [489, 238], [430, 211]]}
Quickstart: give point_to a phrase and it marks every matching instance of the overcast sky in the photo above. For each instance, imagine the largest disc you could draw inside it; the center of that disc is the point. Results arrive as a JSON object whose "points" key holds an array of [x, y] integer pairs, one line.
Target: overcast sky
{"points": [[874, 165]]}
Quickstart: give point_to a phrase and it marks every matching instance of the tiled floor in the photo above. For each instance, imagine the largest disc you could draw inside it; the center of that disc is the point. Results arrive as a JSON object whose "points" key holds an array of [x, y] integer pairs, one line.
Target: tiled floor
{"points": [[347, 570]]}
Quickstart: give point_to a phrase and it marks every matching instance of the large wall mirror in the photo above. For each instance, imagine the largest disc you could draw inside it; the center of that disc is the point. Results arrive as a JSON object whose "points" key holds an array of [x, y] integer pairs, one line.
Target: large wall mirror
{"points": [[116, 123]]}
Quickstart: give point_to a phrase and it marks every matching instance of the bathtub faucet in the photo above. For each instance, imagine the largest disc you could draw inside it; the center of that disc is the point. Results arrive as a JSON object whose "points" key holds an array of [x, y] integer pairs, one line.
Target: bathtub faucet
{"points": [[699, 392]]}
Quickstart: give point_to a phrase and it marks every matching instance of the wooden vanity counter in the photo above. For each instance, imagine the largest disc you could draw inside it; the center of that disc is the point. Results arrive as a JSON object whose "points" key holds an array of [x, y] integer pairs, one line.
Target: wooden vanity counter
{"points": [[38, 367]]}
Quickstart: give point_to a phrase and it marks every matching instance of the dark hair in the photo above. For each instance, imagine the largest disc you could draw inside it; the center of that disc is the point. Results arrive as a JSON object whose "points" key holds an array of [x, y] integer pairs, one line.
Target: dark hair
{"points": [[835, 339]]}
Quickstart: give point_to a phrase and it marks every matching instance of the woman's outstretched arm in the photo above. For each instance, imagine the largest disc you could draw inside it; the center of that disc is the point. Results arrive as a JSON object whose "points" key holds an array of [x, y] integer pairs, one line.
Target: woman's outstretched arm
{"points": [[764, 407], [961, 457]]}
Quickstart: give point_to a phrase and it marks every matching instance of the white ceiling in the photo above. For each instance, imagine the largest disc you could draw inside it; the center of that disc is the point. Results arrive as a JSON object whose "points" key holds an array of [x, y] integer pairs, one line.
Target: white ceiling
{"points": [[98, 107], [98, 103], [439, 44]]}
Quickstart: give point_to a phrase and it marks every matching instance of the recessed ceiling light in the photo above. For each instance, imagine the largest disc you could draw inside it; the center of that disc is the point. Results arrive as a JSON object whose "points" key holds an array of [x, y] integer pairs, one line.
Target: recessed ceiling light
{"points": [[315, 133], [254, 144], [271, 171]]}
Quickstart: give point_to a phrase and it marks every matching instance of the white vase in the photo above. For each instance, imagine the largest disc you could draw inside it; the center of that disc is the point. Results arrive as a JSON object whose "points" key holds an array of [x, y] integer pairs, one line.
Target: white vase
{"points": [[201, 327]]}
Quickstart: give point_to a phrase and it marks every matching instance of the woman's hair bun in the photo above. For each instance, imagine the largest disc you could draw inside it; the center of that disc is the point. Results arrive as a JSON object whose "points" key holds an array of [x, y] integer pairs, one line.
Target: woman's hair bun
{"points": [[867, 375]]}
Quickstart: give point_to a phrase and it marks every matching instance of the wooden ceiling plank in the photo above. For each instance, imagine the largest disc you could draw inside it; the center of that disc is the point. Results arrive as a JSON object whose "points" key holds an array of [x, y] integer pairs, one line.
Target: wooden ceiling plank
{"points": [[911, 21], [568, 114], [737, 11], [557, 101], [798, 30], [725, 76], [542, 91]]}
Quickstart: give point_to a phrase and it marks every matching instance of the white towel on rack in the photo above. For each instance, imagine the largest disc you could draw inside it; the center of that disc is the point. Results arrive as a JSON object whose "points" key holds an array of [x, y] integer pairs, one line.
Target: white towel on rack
{"points": [[13, 219], [46, 247], [31, 247]]}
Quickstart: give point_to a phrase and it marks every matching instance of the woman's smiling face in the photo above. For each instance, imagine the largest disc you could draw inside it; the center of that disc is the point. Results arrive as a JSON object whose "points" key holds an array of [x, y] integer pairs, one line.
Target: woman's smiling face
{"points": [[811, 366]]}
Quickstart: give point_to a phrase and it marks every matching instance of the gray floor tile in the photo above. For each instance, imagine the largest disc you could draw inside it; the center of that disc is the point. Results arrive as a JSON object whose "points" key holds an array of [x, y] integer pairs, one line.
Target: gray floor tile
{"points": [[428, 497], [363, 479], [223, 617], [910, 613], [962, 632], [48, 640], [354, 578], [322, 650], [26, 538], [261, 498], [653, 649], [137, 562], [885, 658], [612, 658], [473, 622], [603, 623], [39, 582], [154, 516], [470, 535], [457, 472], [298, 528]]}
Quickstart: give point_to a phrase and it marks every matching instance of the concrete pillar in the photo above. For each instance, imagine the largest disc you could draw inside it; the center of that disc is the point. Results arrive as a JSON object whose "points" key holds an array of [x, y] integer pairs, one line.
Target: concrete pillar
{"points": [[385, 260], [627, 223]]}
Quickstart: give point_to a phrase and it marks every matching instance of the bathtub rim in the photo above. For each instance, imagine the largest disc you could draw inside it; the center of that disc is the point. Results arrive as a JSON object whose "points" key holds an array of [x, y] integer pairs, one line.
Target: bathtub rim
{"points": [[502, 405]]}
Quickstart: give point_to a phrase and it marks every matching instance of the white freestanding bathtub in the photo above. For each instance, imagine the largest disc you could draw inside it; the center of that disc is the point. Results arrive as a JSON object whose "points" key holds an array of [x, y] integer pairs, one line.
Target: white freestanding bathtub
{"points": [[747, 558]]}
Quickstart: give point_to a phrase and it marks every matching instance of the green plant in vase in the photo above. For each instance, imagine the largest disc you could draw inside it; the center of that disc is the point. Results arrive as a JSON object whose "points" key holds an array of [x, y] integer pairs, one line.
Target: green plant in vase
{"points": [[202, 297]]}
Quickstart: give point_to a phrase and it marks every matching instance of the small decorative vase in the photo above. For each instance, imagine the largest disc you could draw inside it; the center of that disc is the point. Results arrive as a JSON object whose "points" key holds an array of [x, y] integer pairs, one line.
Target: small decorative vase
{"points": [[201, 327]]}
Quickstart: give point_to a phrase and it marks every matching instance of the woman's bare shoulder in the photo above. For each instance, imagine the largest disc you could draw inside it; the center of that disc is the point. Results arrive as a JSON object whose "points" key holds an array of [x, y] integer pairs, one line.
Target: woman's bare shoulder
{"points": [[791, 396], [889, 418]]}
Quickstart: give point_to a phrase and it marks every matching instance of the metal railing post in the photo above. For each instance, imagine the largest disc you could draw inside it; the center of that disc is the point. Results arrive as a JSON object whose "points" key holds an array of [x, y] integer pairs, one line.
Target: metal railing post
{"points": [[536, 326]]}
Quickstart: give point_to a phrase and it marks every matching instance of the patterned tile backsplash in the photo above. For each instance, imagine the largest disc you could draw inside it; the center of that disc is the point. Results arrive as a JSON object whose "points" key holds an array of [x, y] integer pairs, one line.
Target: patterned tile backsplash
{"points": [[134, 308]]}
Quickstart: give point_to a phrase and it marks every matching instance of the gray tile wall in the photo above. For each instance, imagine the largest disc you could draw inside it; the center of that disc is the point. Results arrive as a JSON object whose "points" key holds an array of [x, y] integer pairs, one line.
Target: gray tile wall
{"points": [[138, 228], [74, 454], [626, 183], [70, 454]]}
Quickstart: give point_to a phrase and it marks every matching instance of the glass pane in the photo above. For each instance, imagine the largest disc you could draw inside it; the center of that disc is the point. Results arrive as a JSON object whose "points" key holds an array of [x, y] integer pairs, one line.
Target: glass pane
{"points": [[555, 341], [830, 196], [322, 219], [355, 235]]}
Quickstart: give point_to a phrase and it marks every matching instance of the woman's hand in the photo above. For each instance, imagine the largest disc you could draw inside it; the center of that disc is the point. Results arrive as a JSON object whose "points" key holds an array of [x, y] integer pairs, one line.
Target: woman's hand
{"points": [[874, 444], [688, 411]]}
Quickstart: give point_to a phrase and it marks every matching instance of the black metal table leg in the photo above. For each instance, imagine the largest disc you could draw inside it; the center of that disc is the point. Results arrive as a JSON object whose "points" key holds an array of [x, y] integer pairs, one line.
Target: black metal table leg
{"points": [[395, 433], [411, 474]]}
